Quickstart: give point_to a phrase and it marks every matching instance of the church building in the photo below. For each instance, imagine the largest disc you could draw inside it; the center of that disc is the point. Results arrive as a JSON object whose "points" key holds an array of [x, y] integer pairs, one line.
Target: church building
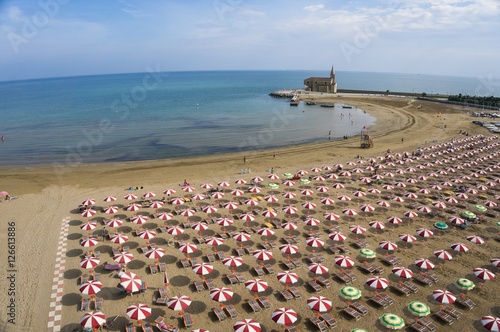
{"points": [[321, 84]]}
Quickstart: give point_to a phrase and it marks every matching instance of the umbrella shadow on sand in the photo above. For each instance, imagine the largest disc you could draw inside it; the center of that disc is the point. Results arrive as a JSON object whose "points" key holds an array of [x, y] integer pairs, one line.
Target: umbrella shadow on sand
{"points": [[72, 299], [74, 253], [196, 307], [72, 274], [179, 281], [74, 236], [75, 222], [169, 259]]}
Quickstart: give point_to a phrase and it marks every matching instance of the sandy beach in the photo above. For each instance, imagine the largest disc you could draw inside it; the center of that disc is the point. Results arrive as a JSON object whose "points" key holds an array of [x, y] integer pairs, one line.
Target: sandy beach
{"points": [[46, 196]]}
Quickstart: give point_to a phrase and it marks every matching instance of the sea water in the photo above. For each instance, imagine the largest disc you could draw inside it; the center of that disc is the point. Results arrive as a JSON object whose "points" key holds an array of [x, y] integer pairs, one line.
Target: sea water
{"points": [[124, 117]]}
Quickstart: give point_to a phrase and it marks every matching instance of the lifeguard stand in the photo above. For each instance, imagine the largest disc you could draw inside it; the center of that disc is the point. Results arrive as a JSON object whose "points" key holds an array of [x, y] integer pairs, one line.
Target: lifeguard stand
{"points": [[366, 140]]}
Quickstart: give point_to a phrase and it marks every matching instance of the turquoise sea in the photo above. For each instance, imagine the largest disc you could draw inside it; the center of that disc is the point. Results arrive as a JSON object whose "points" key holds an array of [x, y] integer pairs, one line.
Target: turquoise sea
{"points": [[144, 116]]}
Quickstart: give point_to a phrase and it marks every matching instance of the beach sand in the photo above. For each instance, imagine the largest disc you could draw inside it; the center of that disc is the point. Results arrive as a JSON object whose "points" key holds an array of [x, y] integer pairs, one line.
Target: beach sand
{"points": [[46, 196]]}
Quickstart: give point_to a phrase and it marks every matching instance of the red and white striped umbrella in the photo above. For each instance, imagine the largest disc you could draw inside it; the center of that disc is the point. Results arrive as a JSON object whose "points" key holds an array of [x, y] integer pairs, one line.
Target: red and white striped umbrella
{"points": [[241, 236], [109, 199], [221, 294], [307, 192], [444, 296], [472, 191], [89, 262], [88, 202], [187, 213], [131, 282], [402, 272], [207, 185], [177, 201], [203, 268], [451, 200], [271, 198], [456, 220], [214, 241], [265, 231], [301, 172], [290, 209], [490, 204], [93, 319], [256, 285], [315, 242], [255, 189], [175, 230], [377, 282], [424, 263], [289, 183], [88, 226], [495, 262], [376, 224], [309, 205], [410, 214], [262, 254], [123, 257], [345, 173], [198, 197], [90, 287], [247, 216], [387, 187], [133, 207], [217, 194], [398, 199], [337, 236], [284, 316], [344, 198], [139, 219], [475, 239], [257, 179], [147, 234], [322, 189], [149, 194], [199, 226], [356, 229], [89, 242], [462, 195], [443, 254], [155, 253], [319, 303], [344, 261], [439, 205], [407, 238], [483, 273], [359, 193], [289, 195], [424, 191], [178, 303], [169, 191], [327, 201], [491, 323], [237, 192], [188, 189], [119, 238], [388, 245], [367, 208], [240, 181], [316, 169], [287, 277], [233, 261], [400, 184], [138, 311], [225, 221], [289, 249], [273, 176], [187, 248], [230, 205], [269, 213], [365, 179], [338, 185], [331, 216], [311, 221], [394, 220], [88, 213], [349, 212], [111, 209], [247, 325], [115, 222], [164, 216], [289, 226], [424, 232], [424, 209], [374, 191], [459, 247]]}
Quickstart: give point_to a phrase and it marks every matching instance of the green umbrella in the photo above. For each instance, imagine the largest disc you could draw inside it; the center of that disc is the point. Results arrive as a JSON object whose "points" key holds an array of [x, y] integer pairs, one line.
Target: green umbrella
{"points": [[350, 293], [287, 175], [419, 308], [358, 330], [392, 321], [368, 253], [497, 223], [441, 225], [468, 214], [464, 284], [304, 181], [273, 185], [481, 208]]}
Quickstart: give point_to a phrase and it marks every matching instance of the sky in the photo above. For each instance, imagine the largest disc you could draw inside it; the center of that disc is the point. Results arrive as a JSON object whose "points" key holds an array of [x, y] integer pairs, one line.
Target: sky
{"points": [[52, 38]]}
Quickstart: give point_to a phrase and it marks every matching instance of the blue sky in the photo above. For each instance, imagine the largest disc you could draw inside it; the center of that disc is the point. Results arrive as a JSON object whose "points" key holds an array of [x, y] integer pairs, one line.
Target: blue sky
{"points": [[49, 38]]}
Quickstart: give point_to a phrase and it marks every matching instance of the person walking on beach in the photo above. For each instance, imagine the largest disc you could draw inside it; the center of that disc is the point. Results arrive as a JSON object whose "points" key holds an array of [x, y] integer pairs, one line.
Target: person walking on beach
{"points": [[402, 139], [103, 233], [244, 160]]}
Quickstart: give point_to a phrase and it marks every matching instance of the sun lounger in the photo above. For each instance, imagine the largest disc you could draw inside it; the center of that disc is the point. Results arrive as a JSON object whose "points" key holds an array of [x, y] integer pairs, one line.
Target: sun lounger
{"points": [[85, 305], [466, 302], [231, 310], [315, 286], [295, 292], [264, 302], [99, 303], [84, 278], [427, 323], [162, 267], [289, 265], [387, 298], [210, 283], [321, 325], [163, 292], [144, 249], [431, 276], [350, 275], [295, 262], [291, 328], [254, 305], [424, 280], [187, 319], [198, 285], [367, 268], [185, 263], [286, 295], [313, 259], [116, 252], [272, 243], [323, 281], [360, 244], [110, 322], [161, 300], [329, 320], [219, 313], [130, 327], [260, 272], [269, 269], [334, 249], [153, 269], [378, 269], [248, 249], [343, 248], [97, 276], [210, 258], [359, 307], [344, 277], [452, 312], [400, 288], [265, 246], [146, 327], [411, 286], [353, 313], [240, 277], [420, 328], [166, 328], [200, 239], [240, 251], [232, 279], [444, 317], [220, 255], [377, 299]]}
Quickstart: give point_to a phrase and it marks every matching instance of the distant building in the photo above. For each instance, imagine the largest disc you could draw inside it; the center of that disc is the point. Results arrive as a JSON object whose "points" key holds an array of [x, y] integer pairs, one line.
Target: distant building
{"points": [[321, 84]]}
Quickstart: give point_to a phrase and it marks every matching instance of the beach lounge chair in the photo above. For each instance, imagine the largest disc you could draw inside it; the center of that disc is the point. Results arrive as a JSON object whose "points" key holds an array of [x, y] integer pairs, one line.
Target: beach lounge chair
{"points": [[378, 269], [350, 275], [130, 327], [295, 292], [320, 324], [272, 243], [427, 323], [163, 292], [144, 249], [360, 244], [110, 322], [344, 277], [313, 259], [210, 283], [232, 279], [295, 262], [254, 305], [146, 327], [291, 328], [240, 251], [431, 276], [400, 288], [377, 299], [420, 328], [153, 269], [84, 278], [386, 298], [466, 302], [367, 268], [260, 272], [85, 305], [334, 249], [452, 312], [286, 295], [185, 263], [161, 300], [265, 246], [240, 277], [289, 265], [323, 281], [269, 269], [116, 252], [353, 313], [411, 286], [424, 280], [231, 310], [210, 258], [444, 317], [221, 255], [187, 319], [329, 320], [264, 302], [248, 249], [219, 313], [99, 303], [198, 285], [359, 308], [315, 286], [162, 267], [200, 239], [343, 248]]}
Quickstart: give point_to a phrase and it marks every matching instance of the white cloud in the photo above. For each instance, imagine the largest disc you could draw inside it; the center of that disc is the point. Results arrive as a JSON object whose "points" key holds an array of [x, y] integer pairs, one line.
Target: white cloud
{"points": [[314, 8]]}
